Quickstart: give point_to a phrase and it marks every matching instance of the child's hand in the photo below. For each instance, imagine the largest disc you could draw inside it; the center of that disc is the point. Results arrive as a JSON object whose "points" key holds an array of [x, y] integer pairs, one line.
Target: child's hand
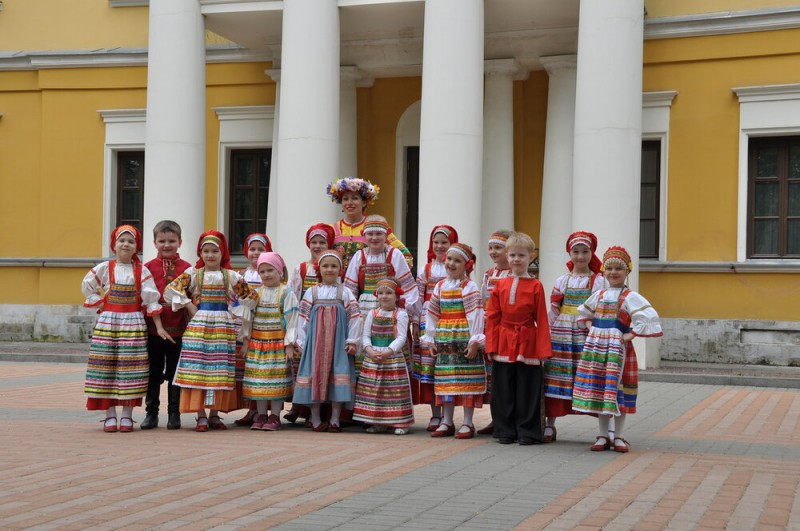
{"points": [[472, 351], [290, 352], [191, 309], [490, 355], [164, 335], [628, 337], [415, 332], [350, 349], [100, 307]]}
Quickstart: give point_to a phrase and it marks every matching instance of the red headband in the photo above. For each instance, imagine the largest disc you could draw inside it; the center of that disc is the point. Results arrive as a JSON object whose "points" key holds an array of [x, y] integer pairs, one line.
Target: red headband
{"points": [[137, 235], [589, 240], [321, 229], [216, 238], [258, 237], [447, 230]]}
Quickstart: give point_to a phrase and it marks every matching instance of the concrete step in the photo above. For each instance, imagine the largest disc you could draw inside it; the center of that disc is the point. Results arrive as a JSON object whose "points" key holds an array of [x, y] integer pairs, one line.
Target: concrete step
{"points": [[723, 374]]}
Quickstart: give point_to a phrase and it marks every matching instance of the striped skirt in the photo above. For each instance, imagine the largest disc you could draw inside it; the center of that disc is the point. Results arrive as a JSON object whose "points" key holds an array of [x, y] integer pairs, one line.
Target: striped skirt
{"points": [[267, 374], [208, 355], [599, 373], [383, 393], [457, 379], [117, 370], [559, 371]]}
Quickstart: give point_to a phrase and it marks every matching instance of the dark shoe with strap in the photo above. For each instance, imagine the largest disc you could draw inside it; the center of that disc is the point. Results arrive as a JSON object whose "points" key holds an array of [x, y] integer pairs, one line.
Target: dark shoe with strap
{"points": [[150, 421]]}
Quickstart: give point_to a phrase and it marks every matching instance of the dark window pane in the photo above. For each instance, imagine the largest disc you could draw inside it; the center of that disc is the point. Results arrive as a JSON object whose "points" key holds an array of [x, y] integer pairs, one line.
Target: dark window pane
{"points": [[793, 236], [648, 239], [240, 231], [649, 205], [263, 173], [794, 199], [767, 162], [794, 161], [131, 207], [244, 173], [262, 203], [243, 202], [765, 236], [766, 199], [133, 174], [650, 164]]}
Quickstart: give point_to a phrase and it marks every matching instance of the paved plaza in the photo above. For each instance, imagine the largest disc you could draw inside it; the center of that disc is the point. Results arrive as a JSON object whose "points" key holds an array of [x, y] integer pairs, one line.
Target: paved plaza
{"points": [[703, 457]]}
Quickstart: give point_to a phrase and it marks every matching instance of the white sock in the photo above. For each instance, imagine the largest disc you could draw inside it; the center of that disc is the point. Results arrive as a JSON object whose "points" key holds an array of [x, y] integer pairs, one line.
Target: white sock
{"points": [[603, 421], [468, 412], [620, 425], [336, 412], [277, 406], [261, 406], [315, 417], [448, 410], [436, 411]]}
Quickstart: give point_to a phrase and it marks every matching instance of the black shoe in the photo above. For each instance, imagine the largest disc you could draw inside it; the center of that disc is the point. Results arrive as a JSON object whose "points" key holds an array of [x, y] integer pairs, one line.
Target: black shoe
{"points": [[505, 440], [150, 421], [527, 441], [174, 421]]}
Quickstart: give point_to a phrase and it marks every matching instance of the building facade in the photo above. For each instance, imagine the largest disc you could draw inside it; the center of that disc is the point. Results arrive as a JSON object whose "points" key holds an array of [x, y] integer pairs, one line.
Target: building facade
{"points": [[671, 127]]}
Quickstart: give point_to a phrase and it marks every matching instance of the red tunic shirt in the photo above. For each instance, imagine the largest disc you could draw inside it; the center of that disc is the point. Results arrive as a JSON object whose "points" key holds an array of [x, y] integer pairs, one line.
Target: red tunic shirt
{"points": [[164, 272], [518, 329]]}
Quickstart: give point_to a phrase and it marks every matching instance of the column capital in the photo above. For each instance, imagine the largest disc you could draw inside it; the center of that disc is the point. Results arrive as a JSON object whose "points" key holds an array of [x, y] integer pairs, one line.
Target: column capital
{"points": [[509, 67], [558, 63], [274, 74], [356, 75]]}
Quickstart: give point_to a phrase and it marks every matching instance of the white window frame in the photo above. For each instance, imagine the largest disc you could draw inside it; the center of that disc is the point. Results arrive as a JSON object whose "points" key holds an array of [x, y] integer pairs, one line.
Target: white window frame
{"points": [[244, 127], [766, 110], [125, 131], [655, 126], [406, 134]]}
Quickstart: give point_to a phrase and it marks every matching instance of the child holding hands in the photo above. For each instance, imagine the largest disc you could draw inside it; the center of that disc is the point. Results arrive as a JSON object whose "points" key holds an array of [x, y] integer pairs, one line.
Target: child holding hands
{"points": [[517, 342], [383, 391], [117, 370], [607, 378], [328, 332], [271, 332], [454, 333]]}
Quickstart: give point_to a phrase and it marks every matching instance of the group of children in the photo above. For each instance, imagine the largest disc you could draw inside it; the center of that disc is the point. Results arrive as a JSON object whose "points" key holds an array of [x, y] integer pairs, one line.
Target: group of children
{"points": [[365, 342]]}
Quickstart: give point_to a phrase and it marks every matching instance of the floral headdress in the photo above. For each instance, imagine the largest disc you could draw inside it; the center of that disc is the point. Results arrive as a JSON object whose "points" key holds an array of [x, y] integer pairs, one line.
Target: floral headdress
{"points": [[362, 187]]}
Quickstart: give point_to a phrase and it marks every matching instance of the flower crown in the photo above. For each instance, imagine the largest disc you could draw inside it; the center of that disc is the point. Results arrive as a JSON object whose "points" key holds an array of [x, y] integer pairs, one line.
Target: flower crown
{"points": [[362, 187]]}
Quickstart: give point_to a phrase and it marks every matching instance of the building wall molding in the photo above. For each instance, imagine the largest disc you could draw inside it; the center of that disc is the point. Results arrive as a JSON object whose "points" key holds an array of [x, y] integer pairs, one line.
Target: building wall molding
{"points": [[128, 3], [722, 23], [749, 266]]}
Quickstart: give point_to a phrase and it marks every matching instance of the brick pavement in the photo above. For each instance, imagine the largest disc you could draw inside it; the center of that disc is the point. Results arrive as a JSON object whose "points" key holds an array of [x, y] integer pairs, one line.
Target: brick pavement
{"points": [[704, 457]]}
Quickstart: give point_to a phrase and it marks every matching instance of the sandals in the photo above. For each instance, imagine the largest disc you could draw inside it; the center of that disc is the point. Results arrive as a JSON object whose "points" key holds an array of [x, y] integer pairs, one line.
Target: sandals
{"points": [[469, 434], [323, 426], [621, 448], [434, 424], [601, 446], [552, 437], [449, 431], [202, 424], [125, 427], [216, 424], [110, 428]]}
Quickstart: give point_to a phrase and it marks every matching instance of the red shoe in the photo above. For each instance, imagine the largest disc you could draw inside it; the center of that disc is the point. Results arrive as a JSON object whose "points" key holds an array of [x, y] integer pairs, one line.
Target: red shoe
{"points": [[621, 448], [273, 423], [465, 434], [323, 426], [110, 428], [600, 446], [258, 422], [488, 430], [125, 427], [247, 420], [215, 423], [448, 432], [202, 425], [550, 438], [334, 428], [434, 424]]}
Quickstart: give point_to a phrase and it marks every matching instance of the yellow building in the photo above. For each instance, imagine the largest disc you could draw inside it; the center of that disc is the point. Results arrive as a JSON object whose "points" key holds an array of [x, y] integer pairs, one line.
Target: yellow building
{"points": [[669, 126]]}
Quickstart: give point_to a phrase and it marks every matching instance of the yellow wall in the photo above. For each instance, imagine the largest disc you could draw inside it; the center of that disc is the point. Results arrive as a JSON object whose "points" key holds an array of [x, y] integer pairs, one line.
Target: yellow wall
{"points": [[675, 8]]}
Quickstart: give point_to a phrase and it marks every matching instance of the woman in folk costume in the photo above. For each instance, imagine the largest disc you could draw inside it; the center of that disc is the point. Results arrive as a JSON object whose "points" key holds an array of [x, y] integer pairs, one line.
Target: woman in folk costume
{"points": [[454, 333], [117, 369], [383, 391], [328, 333], [354, 194], [569, 292], [607, 378], [319, 238], [254, 245], [423, 360], [207, 367], [374, 263], [268, 376]]}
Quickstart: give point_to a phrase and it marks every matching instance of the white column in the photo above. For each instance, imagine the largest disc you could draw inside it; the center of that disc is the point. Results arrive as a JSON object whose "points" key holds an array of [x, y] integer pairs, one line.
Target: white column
{"points": [[498, 147], [308, 131], [558, 151], [348, 121], [451, 126], [608, 125], [175, 133], [272, 200]]}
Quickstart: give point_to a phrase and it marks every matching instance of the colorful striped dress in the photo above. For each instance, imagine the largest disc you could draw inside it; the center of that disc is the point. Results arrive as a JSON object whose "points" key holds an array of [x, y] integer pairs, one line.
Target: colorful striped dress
{"points": [[423, 361], [117, 369], [383, 392], [569, 292], [207, 365], [607, 377], [267, 373], [454, 322], [329, 320]]}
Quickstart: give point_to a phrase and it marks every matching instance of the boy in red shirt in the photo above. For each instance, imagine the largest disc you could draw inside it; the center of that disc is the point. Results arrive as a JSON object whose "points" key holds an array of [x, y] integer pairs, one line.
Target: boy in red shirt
{"points": [[517, 342], [164, 351]]}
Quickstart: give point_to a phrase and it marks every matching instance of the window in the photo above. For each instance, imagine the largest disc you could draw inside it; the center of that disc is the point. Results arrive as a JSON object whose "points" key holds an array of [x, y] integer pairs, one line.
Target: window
{"points": [[774, 197], [649, 211], [248, 195], [130, 188]]}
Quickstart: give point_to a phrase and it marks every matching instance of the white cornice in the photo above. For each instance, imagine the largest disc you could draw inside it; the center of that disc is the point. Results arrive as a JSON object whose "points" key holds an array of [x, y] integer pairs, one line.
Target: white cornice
{"points": [[109, 57], [250, 112], [768, 93], [661, 98], [749, 266], [128, 3], [123, 115], [722, 23]]}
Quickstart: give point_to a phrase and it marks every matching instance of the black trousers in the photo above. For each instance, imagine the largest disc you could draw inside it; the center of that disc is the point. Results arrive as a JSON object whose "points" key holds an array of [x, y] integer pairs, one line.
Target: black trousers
{"points": [[517, 401], [163, 357]]}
